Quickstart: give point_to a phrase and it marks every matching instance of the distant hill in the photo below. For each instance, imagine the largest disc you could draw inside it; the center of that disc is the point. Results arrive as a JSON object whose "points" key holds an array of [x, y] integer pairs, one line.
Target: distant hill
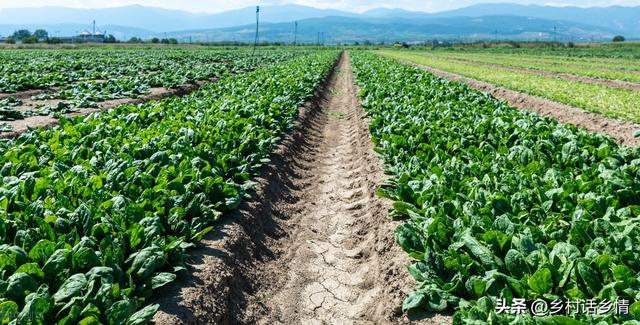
{"points": [[159, 19], [475, 22], [625, 20], [146, 18], [348, 30]]}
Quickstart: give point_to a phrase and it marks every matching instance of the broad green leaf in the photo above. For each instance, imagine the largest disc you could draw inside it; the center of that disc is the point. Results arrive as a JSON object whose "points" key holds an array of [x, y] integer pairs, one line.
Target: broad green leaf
{"points": [[590, 277], [634, 310], [71, 287], [161, 279], [35, 310], [20, 285], [414, 300], [143, 316], [33, 270], [409, 239], [541, 281], [8, 311], [147, 262], [120, 311]]}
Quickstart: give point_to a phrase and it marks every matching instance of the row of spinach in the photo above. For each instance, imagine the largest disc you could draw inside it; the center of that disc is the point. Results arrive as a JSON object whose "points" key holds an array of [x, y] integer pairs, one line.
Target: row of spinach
{"points": [[86, 77], [97, 213], [26, 69], [500, 203]]}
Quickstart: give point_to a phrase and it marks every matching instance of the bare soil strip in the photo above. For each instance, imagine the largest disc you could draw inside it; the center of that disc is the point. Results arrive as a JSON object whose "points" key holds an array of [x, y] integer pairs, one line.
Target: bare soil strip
{"points": [[314, 245], [621, 131], [21, 126], [26, 93], [566, 76]]}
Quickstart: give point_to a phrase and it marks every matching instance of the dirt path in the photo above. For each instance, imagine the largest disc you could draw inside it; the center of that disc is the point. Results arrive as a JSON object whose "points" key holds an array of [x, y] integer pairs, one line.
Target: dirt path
{"points": [[621, 131], [314, 246], [330, 268]]}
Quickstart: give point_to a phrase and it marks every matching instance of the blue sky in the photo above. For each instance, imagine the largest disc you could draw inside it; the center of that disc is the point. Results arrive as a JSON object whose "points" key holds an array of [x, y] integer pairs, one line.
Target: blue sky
{"points": [[349, 5]]}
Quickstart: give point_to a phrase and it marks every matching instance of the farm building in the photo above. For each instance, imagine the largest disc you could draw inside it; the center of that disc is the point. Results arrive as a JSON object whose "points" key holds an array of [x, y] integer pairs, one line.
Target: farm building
{"points": [[89, 37]]}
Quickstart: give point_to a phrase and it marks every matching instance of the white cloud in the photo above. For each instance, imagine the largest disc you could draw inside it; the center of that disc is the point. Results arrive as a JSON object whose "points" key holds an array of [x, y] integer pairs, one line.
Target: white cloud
{"points": [[350, 5]]}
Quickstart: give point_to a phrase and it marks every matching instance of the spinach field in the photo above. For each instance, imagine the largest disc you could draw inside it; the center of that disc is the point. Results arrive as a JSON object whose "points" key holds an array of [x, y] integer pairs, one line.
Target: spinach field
{"points": [[295, 185]]}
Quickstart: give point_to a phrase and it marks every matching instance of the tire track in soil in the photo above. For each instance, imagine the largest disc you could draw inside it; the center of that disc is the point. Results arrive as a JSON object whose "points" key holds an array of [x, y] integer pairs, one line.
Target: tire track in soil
{"points": [[338, 263]]}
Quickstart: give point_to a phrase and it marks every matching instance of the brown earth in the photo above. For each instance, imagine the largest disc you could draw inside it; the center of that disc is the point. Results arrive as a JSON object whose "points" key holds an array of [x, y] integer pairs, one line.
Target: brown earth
{"points": [[566, 76], [621, 131], [26, 93], [314, 245]]}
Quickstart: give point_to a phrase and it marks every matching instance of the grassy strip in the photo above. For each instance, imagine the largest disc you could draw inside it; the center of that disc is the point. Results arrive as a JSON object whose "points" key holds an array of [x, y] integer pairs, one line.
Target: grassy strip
{"points": [[500, 203], [611, 102], [97, 213]]}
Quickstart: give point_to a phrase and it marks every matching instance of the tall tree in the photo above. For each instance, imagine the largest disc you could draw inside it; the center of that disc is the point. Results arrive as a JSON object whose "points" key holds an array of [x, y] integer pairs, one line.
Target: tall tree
{"points": [[41, 34], [21, 34]]}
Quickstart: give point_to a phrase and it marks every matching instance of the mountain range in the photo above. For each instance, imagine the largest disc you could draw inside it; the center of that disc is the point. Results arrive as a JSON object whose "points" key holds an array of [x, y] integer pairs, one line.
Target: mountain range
{"points": [[483, 21]]}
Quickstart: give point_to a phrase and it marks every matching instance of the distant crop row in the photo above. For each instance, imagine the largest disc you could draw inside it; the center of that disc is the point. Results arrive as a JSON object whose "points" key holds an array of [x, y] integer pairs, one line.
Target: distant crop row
{"points": [[86, 77], [612, 102], [500, 203], [97, 213], [615, 70], [601, 51], [40, 69]]}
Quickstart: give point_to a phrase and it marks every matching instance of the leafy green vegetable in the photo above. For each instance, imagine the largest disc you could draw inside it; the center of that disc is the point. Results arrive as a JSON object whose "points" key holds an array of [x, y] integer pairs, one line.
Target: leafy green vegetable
{"points": [[500, 203], [541, 281], [99, 211], [8, 311]]}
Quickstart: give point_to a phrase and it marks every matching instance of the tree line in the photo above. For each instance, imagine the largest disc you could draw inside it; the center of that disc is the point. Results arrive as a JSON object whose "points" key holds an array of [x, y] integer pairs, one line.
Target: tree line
{"points": [[25, 36]]}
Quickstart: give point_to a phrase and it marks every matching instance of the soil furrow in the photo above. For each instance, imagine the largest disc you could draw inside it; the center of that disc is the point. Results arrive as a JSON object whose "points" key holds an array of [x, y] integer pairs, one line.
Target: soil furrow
{"points": [[337, 263], [322, 280]]}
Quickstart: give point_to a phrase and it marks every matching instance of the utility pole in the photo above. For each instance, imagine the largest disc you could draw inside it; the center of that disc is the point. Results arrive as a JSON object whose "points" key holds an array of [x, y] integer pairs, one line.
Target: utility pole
{"points": [[255, 42], [496, 36], [318, 41], [94, 27], [555, 30], [322, 34], [295, 35]]}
